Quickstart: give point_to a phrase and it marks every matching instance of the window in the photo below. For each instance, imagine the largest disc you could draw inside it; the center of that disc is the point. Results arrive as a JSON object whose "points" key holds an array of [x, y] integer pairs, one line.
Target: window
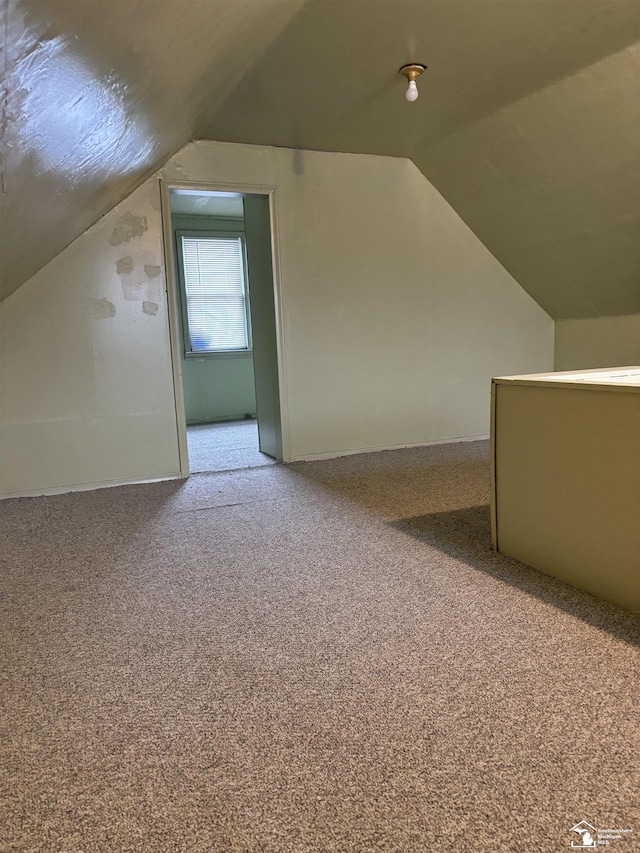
{"points": [[216, 316]]}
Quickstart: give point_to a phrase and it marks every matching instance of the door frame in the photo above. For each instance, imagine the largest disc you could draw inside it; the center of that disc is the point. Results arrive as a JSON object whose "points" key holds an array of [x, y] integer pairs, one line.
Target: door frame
{"points": [[173, 304]]}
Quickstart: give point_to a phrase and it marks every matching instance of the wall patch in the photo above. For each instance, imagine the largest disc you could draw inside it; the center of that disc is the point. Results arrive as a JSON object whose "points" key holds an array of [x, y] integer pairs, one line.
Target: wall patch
{"points": [[124, 265], [101, 309], [128, 227]]}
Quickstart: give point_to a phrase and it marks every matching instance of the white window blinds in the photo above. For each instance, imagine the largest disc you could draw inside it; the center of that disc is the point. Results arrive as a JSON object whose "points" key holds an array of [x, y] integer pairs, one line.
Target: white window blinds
{"points": [[215, 290]]}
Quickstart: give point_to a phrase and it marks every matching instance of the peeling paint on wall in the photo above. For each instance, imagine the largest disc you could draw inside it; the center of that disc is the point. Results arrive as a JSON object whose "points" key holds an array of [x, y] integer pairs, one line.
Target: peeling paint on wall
{"points": [[128, 227], [101, 309], [124, 265], [133, 291], [150, 308], [139, 276]]}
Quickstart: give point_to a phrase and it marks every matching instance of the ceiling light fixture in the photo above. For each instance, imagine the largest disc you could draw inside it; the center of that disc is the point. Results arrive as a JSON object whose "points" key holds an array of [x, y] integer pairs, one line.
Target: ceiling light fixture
{"points": [[412, 72]]}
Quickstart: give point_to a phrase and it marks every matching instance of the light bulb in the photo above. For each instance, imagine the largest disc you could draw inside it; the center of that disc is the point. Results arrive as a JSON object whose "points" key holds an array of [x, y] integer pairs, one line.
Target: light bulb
{"points": [[412, 91]]}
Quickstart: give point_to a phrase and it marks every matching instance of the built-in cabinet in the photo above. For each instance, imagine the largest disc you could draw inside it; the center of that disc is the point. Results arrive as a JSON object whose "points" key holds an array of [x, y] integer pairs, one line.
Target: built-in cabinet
{"points": [[566, 477]]}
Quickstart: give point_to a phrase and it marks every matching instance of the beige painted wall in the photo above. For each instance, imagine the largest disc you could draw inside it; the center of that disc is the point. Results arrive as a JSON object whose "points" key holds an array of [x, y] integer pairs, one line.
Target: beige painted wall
{"points": [[87, 392], [598, 342], [394, 319]]}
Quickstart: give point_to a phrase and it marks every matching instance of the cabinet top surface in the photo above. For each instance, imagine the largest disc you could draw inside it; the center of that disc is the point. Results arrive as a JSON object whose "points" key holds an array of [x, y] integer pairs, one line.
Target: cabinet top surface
{"points": [[617, 378]]}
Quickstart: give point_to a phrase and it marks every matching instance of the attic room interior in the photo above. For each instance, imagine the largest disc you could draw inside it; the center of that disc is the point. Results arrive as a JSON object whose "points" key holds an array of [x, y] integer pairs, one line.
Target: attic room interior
{"points": [[408, 618]]}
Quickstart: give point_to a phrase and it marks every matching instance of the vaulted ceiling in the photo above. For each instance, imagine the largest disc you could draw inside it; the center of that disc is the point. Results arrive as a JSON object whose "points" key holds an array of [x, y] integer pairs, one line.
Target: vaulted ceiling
{"points": [[528, 120]]}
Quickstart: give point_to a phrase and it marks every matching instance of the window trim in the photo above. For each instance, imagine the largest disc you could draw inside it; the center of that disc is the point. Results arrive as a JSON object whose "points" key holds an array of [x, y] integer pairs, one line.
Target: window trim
{"points": [[243, 352]]}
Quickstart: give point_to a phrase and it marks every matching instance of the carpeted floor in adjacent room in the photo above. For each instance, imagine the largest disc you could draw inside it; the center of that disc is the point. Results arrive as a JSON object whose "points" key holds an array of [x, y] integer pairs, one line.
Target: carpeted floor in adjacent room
{"points": [[322, 657], [225, 446]]}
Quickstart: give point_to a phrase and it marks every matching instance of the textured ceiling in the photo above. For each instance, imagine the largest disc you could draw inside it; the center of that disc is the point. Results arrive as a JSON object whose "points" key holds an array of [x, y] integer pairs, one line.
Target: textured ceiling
{"points": [[528, 119]]}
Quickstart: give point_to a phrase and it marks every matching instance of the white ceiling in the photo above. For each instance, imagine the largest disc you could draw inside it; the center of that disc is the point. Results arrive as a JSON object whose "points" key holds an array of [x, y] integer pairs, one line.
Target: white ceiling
{"points": [[199, 203]]}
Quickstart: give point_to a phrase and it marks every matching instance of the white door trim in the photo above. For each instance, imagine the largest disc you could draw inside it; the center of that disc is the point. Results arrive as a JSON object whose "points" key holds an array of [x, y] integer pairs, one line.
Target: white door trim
{"points": [[173, 306]]}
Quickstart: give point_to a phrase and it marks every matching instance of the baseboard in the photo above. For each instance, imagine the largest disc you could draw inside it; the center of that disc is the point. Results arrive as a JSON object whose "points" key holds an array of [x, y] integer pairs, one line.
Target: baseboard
{"points": [[316, 457], [88, 487], [224, 420], [312, 457]]}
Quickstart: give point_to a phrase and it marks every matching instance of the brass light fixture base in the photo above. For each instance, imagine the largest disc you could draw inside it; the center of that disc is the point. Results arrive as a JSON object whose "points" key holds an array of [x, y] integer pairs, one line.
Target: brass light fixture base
{"points": [[412, 71]]}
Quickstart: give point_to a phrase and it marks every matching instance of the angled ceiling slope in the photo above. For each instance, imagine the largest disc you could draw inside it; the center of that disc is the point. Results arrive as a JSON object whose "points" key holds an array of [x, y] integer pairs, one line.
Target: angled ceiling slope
{"points": [[528, 119], [97, 95]]}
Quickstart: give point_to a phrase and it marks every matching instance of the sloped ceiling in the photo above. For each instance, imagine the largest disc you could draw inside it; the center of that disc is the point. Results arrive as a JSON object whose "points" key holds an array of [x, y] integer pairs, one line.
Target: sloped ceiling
{"points": [[528, 119], [99, 94]]}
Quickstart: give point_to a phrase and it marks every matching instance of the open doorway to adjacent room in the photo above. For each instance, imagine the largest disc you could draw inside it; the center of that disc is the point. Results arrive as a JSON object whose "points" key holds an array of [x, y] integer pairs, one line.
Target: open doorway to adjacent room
{"points": [[225, 446], [225, 328]]}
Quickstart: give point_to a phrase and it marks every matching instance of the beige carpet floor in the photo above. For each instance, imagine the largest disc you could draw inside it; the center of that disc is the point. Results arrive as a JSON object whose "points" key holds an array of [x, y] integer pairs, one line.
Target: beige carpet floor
{"points": [[225, 446], [323, 657]]}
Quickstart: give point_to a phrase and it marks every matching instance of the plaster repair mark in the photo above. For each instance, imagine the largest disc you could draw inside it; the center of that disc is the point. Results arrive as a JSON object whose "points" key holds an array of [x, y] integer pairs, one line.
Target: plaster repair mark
{"points": [[133, 291], [128, 227], [124, 265], [152, 270], [150, 308], [101, 309]]}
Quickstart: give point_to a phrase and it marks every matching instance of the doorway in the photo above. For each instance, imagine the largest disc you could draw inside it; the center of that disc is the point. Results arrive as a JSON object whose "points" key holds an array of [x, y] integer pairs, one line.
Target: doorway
{"points": [[223, 327]]}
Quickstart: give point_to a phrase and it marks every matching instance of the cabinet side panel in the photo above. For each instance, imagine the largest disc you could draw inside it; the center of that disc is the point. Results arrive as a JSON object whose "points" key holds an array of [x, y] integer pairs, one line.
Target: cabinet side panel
{"points": [[568, 486], [494, 520]]}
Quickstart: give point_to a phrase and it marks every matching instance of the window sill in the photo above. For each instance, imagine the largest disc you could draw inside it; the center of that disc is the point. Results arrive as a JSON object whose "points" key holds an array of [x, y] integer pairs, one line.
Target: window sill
{"points": [[227, 353]]}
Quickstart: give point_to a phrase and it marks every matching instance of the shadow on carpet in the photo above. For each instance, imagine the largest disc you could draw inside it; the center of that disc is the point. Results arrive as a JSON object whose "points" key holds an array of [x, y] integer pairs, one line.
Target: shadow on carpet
{"points": [[465, 535]]}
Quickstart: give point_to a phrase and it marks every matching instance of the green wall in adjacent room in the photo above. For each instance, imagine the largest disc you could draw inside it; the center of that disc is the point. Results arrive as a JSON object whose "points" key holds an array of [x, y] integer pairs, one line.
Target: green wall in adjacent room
{"points": [[216, 388]]}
